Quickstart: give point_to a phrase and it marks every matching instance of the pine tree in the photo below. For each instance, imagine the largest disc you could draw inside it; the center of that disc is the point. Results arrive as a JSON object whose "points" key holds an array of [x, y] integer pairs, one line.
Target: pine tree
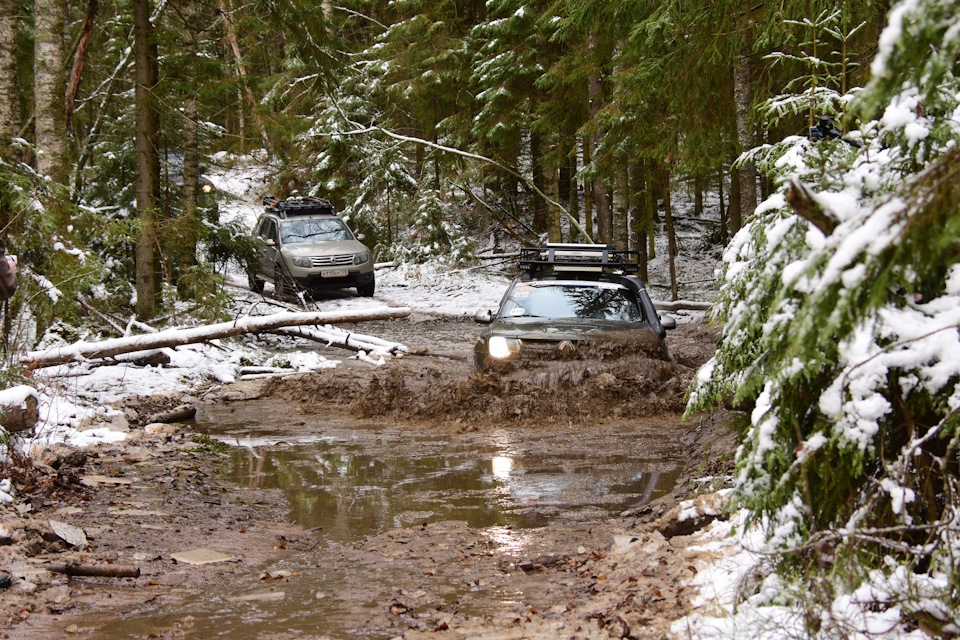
{"points": [[840, 334]]}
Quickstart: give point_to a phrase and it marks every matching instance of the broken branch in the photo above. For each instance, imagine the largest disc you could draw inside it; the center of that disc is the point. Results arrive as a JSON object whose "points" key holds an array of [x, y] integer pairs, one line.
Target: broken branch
{"points": [[94, 570]]}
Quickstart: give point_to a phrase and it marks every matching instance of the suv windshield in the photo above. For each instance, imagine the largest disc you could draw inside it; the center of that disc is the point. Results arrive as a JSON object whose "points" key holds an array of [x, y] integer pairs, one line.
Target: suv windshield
{"points": [[313, 230], [600, 301]]}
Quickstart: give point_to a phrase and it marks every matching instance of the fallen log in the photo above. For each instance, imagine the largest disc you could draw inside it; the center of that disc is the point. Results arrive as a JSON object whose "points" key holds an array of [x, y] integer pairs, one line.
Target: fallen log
{"points": [[94, 570], [334, 337], [190, 335], [181, 413]]}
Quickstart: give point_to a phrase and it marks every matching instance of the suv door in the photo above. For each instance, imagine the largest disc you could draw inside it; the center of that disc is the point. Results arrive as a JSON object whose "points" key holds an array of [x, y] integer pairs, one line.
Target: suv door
{"points": [[268, 233]]}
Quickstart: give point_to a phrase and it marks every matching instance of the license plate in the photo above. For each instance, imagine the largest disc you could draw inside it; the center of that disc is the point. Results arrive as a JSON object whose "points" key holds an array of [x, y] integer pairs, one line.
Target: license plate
{"points": [[335, 273]]}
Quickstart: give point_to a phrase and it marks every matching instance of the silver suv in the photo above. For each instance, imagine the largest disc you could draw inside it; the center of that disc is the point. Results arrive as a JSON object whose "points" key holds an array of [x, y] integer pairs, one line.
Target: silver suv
{"points": [[304, 245]]}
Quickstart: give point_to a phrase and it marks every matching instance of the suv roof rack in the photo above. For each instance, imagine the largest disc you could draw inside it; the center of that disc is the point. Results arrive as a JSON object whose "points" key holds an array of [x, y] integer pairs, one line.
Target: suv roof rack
{"points": [[308, 206], [601, 258]]}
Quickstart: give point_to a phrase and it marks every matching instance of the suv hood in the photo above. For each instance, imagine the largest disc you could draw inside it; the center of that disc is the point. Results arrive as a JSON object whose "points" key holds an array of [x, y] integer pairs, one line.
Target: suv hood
{"points": [[326, 248]]}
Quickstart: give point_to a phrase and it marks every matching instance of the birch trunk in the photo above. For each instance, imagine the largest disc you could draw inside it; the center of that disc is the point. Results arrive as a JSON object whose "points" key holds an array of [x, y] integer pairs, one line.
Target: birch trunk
{"points": [[600, 191], [551, 180], [49, 86], [9, 90]]}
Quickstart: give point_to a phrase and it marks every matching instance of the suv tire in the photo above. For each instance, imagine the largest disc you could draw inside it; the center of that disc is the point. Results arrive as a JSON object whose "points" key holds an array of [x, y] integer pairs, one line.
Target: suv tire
{"points": [[366, 290], [256, 284]]}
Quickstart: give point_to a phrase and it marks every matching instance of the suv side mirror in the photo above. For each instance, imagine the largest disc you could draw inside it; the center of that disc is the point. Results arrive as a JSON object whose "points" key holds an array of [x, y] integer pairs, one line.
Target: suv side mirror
{"points": [[668, 322], [484, 316], [361, 237], [269, 242]]}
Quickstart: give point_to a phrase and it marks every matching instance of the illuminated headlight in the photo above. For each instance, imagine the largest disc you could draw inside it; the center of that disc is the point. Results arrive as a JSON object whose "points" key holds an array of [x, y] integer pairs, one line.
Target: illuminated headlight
{"points": [[502, 348], [303, 262], [361, 257]]}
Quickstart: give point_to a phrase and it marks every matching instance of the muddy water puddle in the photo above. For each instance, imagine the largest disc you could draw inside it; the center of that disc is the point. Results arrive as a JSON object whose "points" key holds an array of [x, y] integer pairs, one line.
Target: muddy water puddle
{"points": [[348, 479], [363, 486]]}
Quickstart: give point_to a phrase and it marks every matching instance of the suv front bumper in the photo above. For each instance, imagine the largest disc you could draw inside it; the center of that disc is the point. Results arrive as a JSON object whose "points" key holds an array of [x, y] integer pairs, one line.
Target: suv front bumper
{"points": [[318, 281]]}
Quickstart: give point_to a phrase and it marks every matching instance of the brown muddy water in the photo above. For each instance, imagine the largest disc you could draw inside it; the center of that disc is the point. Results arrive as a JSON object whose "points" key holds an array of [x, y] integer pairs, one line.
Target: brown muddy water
{"points": [[347, 480]]}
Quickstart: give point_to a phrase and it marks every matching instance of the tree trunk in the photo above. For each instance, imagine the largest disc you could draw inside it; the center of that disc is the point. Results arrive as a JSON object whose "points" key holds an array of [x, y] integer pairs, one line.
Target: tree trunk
{"points": [[634, 205], [621, 209], [148, 160], [9, 89], [745, 135], [79, 60], [698, 195], [671, 238], [242, 71], [573, 194], [48, 86], [600, 191], [736, 220], [191, 154], [723, 210], [539, 206], [552, 190], [587, 193], [644, 222]]}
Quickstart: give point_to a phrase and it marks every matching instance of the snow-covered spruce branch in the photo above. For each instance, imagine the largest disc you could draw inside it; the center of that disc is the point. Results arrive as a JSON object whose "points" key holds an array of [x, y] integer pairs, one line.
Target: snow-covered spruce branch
{"points": [[874, 535], [181, 336], [466, 154]]}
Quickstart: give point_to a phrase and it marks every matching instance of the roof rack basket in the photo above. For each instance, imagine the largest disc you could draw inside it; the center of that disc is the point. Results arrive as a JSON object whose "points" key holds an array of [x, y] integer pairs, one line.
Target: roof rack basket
{"points": [[579, 257], [298, 207]]}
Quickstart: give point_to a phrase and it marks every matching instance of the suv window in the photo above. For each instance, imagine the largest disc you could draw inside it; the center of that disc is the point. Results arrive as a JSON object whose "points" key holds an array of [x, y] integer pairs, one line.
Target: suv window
{"points": [[267, 229], [572, 300], [313, 230]]}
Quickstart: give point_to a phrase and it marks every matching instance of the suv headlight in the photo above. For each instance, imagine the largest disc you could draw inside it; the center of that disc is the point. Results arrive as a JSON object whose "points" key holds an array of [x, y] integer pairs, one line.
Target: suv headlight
{"points": [[361, 257], [503, 348], [303, 262]]}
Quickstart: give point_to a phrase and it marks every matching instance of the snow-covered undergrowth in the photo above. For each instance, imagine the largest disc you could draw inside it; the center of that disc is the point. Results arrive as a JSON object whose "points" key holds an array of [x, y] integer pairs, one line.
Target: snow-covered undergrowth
{"points": [[840, 300]]}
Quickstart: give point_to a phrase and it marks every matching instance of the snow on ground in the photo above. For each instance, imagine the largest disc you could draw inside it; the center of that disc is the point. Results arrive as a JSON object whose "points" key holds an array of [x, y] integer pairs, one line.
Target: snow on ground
{"points": [[734, 556]]}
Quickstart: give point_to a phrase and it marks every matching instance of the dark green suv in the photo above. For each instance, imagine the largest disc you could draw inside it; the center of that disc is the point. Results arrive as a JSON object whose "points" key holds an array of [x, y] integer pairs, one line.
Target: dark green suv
{"points": [[305, 246], [569, 296]]}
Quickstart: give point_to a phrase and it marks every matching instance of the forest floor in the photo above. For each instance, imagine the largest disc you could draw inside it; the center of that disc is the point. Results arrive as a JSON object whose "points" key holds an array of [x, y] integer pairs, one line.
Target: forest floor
{"points": [[148, 500]]}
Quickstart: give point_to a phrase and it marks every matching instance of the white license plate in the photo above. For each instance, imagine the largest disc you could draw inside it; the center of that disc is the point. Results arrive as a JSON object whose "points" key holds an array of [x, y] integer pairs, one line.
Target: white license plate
{"points": [[335, 273]]}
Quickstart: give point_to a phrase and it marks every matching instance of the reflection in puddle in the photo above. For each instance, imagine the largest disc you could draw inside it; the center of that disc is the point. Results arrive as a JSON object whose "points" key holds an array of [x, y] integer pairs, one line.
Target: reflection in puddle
{"points": [[506, 539], [502, 466]]}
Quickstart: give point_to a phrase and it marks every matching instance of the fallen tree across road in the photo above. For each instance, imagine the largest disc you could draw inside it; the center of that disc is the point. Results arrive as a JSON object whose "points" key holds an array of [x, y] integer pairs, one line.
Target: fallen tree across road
{"points": [[175, 337]]}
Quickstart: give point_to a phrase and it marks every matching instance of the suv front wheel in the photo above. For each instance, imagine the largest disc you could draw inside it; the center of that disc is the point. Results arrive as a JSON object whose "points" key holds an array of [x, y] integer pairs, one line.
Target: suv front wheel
{"points": [[366, 290]]}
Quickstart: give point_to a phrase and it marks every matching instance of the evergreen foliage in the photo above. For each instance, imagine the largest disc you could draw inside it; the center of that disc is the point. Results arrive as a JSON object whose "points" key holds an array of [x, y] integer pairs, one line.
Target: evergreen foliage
{"points": [[839, 302]]}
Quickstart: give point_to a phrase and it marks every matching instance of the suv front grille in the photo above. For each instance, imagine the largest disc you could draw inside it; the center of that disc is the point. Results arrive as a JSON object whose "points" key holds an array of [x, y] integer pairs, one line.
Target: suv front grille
{"points": [[331, 261]]}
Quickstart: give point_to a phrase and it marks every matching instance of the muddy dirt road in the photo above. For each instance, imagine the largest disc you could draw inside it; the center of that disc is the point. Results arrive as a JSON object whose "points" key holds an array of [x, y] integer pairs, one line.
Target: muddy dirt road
{"points": [[414, 499]]}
